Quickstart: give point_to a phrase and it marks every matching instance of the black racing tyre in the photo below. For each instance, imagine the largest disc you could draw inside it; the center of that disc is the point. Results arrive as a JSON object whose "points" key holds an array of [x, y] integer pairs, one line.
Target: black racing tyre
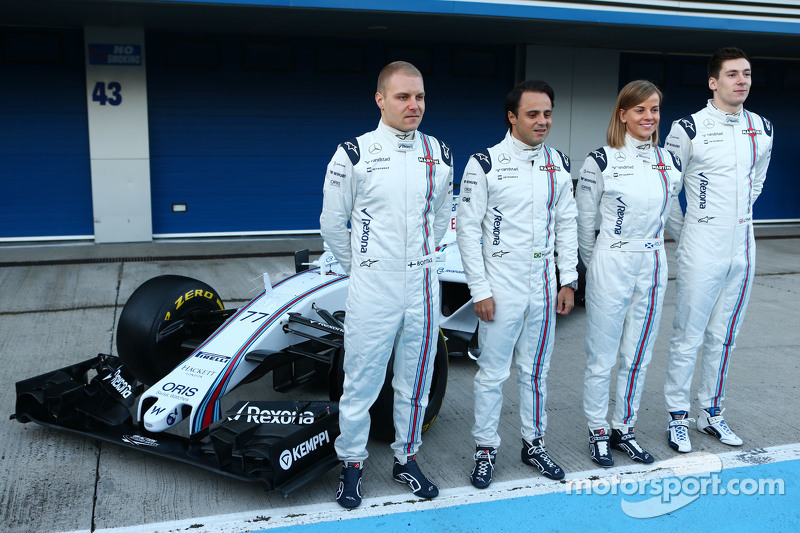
{"points": [[148, 337], [382, 411]]}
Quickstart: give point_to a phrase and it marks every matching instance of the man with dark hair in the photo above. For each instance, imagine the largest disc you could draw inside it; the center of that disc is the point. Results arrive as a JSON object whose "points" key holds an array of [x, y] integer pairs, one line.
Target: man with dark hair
{"points": [[725, 151], [394, 187], [516, 213]]}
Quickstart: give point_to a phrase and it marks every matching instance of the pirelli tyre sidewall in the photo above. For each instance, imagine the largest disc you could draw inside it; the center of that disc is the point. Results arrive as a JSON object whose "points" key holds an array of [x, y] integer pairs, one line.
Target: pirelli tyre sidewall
{"points": [[382, 411], [153, 306]]}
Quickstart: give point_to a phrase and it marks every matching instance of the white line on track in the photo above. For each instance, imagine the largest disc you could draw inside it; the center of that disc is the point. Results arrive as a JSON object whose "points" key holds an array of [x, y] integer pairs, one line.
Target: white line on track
{"points": [[679, 465]]}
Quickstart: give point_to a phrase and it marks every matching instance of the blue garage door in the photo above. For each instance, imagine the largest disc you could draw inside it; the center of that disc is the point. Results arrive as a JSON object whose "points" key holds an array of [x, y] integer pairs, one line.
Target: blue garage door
{"points": [[776, 83], [241, 129], [44, 138]]}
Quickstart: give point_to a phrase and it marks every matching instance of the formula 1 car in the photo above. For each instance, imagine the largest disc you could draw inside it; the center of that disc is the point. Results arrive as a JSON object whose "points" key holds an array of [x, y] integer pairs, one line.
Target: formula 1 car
{"points": [[180, 352]]}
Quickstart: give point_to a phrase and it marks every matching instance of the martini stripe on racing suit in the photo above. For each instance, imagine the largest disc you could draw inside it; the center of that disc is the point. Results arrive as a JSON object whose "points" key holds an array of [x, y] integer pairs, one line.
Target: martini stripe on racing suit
{"points": [[630, 192], [396, 195], [725, 158], [516, 211]]}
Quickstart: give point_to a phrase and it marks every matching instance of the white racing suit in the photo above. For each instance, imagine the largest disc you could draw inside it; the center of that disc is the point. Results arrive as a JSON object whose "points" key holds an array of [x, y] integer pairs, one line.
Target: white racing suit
{"points": [[521, 205], [725, 160], [397, 196], [632, 193]]}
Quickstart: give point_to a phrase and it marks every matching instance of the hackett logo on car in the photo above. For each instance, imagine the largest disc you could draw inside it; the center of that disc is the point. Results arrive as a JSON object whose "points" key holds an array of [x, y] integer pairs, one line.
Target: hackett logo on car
{"points": [[303, 449], [194, 371]]}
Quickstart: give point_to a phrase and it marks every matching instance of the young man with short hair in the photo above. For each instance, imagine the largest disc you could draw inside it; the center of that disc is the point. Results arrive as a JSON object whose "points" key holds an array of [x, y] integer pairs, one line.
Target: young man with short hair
{"points": [[725, 150], [393, 186]]}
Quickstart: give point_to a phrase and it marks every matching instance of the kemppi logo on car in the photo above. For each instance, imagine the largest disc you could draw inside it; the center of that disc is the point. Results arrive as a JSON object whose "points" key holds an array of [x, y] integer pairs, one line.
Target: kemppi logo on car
{"points": [[498, 218], [119, 384], [365, 230], [620, 215], [301, 450]]}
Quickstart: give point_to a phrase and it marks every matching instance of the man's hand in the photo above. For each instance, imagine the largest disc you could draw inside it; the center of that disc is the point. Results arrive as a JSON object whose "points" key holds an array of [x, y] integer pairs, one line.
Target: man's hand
{"points": [[565, 302], [485, 309]]}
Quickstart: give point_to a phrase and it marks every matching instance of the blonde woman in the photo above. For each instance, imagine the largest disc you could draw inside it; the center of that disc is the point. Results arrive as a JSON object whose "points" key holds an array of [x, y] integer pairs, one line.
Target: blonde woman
{"points": [[628, 189]]}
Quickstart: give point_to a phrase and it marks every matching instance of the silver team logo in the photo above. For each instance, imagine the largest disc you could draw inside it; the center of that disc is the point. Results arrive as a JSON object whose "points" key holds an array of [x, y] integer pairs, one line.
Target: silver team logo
{"points": [[504, 158]]}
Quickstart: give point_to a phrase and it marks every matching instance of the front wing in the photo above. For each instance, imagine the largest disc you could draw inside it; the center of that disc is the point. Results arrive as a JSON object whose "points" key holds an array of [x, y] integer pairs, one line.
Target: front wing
{"points": [[284, 444]]}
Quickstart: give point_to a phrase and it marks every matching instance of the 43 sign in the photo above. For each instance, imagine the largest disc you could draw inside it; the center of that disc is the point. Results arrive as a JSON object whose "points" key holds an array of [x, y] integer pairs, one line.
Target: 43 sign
{"points": [[107, 93]]}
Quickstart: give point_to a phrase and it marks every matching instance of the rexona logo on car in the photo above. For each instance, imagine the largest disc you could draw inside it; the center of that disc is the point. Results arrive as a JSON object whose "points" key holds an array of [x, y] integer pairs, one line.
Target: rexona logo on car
{"points": [[304, 448], [257, 415], [120, 385]]}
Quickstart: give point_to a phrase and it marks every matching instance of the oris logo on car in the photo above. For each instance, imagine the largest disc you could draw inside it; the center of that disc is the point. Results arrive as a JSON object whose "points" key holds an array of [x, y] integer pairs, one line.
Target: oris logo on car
{"points": [[181, 390], [301, 450]]}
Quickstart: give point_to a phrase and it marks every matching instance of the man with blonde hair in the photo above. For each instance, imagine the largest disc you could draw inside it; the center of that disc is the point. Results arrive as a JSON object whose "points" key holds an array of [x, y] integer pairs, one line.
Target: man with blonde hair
{"points": [[393, 186]]}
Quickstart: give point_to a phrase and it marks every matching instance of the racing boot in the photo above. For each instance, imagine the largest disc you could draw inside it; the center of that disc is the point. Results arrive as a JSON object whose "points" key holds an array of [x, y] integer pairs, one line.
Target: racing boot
{"points": [[626, 442], [678, 432], [710, 421], [481, 475], [598, 447], [410, 474], [349, 493], [535, 454]]}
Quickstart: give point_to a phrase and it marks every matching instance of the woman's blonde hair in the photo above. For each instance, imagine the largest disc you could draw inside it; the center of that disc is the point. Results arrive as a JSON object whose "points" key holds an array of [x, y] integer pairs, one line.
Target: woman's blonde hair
{"points": [[631, 95]]}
